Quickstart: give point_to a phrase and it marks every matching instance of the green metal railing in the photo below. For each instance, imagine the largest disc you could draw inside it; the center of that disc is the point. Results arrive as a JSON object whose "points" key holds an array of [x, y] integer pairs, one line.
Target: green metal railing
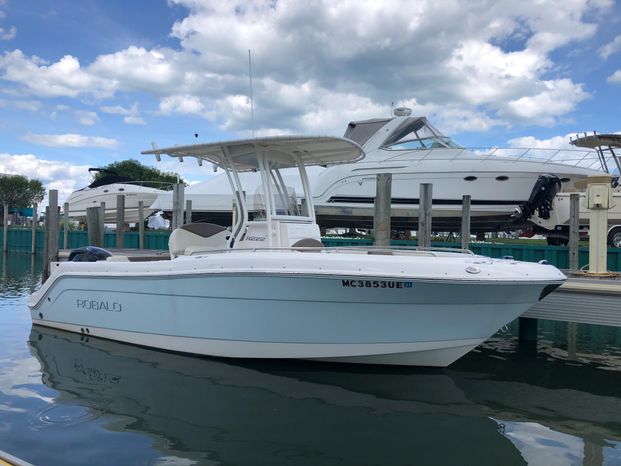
{"points": [[20, 240]]}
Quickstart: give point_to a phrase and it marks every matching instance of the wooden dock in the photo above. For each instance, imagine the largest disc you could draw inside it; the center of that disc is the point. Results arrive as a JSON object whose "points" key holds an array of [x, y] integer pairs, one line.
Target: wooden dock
{"points": [[584, 300]]}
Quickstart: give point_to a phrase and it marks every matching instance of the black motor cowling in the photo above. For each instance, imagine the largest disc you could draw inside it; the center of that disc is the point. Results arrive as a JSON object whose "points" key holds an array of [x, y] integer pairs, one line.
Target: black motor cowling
{"points": [[89, 254], [540, 200]]}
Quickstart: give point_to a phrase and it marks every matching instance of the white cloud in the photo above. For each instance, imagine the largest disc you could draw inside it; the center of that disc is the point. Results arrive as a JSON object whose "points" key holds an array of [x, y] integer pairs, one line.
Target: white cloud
{"points": [[549, 100], [615, 78], [64, 176], [183, 104], [30, 105], [610, 48], [8, 34], [132, 114], [71, 140], [321, 63], [133, 120], [64, 78], [87, 118], [555, 142]]}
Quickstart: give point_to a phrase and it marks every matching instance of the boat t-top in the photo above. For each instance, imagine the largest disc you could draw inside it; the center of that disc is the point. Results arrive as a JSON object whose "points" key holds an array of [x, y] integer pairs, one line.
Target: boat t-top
{"points": [[268, 288]]}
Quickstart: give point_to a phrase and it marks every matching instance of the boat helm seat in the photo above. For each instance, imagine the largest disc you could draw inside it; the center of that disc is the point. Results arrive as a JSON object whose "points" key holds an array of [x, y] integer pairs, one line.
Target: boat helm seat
{"points": [[194, 238]]}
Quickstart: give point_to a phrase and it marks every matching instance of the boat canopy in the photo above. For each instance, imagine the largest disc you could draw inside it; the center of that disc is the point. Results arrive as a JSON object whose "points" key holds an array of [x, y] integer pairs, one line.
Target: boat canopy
{"points": [[281, 152]]}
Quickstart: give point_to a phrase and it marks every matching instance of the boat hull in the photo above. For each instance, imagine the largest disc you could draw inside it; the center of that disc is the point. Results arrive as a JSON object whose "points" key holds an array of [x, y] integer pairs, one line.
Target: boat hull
{"points": [[267, 315]]}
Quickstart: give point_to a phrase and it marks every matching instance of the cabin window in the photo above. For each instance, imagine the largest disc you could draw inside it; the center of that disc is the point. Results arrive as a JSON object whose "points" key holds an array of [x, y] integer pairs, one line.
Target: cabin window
{"points": [[502, 178], [470, 178]]}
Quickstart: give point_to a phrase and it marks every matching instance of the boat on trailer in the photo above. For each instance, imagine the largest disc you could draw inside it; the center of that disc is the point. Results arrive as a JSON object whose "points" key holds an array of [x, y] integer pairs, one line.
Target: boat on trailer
{"points": [[268, 288], [107, 189]]}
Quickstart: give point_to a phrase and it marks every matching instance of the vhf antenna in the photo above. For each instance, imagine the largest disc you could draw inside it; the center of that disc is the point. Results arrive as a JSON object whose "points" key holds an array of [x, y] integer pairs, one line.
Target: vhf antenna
{"points": [[251, 101]]}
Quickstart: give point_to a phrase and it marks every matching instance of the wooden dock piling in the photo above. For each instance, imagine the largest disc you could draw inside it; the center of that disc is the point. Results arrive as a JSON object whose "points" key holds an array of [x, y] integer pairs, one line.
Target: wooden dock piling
{"points": [[424, 215], [66, 226], [140, 224], [93, 225], [120, 221], [5, 229], [177, 207], [381, 220], [574, 231], [102, 222], [35, 224], [465, 221], [188, 211]]}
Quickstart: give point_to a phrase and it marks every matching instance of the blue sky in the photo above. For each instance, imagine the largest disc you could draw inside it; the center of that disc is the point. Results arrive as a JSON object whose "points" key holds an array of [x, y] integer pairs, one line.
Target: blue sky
{"points": [[91, 82]]}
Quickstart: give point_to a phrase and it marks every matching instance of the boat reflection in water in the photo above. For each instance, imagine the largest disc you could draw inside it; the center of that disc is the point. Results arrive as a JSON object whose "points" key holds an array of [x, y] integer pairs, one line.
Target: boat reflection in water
{"points": [[293, 412]]}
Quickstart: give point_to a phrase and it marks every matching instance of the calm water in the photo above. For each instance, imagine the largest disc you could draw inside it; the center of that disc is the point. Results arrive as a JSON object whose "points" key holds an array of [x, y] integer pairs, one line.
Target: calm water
{"points": [[68, 400]]}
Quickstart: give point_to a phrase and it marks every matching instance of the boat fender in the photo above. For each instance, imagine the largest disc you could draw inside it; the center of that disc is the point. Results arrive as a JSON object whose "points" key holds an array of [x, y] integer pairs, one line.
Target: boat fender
{"points": [[89, 254]]}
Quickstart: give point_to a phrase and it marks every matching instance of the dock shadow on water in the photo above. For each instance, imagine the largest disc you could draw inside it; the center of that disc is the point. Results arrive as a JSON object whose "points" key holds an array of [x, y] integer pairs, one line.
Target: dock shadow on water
{"points": [[71, 399]]}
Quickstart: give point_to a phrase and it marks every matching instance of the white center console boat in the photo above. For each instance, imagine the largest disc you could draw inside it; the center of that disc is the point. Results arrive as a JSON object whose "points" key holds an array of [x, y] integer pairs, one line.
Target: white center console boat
{"points": [[267, 288]]}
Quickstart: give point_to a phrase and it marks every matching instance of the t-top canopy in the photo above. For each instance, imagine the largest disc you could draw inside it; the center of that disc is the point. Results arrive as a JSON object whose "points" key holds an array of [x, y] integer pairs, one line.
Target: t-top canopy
{"points": [[281, 151], [597, 140]]}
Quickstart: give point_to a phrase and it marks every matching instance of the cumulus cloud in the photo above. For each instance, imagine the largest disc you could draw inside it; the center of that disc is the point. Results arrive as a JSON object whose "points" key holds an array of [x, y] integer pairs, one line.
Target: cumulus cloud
{"points": [[63, 176], [319, 64], [71, 140], [8, 34], [615, 78], [131, 115], [87, 118], [610, 48]]}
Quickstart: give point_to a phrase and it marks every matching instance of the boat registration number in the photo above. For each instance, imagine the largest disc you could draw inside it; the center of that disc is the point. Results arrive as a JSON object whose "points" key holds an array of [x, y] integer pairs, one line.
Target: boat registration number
{"points": [[375, 284]]}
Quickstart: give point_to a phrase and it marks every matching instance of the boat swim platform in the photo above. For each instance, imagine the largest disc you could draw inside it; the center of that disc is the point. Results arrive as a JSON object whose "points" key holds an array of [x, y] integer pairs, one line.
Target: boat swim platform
{"points": [[584, 300]]}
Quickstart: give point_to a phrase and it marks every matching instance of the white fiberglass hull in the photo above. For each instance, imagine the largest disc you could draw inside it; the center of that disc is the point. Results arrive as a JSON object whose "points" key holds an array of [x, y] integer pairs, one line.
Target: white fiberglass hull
{"points": [[311, 308], [80, 200]]}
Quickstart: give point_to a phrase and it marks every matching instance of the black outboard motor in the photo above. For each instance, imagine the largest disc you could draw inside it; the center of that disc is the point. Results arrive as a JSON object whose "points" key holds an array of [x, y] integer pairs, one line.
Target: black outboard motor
{"points": [[540, 199], [89, 254]]}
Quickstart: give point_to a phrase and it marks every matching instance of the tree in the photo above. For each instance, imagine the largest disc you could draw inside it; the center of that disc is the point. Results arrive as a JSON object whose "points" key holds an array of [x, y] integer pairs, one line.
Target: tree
{"points": [[139, 172], [18, 191]]}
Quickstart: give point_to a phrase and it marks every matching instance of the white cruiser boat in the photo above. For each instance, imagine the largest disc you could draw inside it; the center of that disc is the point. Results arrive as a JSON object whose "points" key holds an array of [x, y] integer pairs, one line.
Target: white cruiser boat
{"points": [[414, 152], [267, 288], [499, 181], [106, 189]]}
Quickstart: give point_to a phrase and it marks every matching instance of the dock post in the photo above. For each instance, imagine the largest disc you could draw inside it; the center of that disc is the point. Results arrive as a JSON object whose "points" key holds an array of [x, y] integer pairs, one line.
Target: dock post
{"points": [[5, 229], [528, 329], [120, 221], [46, 246], [141, 224], [51, 218], [599, 200], [424, 215], [177, 207], [574, 231], [93, 225], [35, 224], [66, 226], [102, 221], [188, 211], [381, 220], [465, 221]]}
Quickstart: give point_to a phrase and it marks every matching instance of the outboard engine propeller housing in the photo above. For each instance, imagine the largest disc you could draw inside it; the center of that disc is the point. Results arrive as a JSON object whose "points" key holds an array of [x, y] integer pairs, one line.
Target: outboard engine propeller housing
{"points": [[89, 254], [540, 200]]}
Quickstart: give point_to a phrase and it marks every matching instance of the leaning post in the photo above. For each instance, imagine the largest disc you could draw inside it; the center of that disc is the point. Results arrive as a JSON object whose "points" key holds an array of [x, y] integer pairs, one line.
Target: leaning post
{"points": [[120, 221], [424, 215], [381, 220], [465, 221], [574, 231]]}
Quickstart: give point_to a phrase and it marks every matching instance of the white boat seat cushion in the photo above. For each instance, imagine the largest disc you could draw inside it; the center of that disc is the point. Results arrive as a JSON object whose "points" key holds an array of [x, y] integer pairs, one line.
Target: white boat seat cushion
{"points": [[193, 237]]}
